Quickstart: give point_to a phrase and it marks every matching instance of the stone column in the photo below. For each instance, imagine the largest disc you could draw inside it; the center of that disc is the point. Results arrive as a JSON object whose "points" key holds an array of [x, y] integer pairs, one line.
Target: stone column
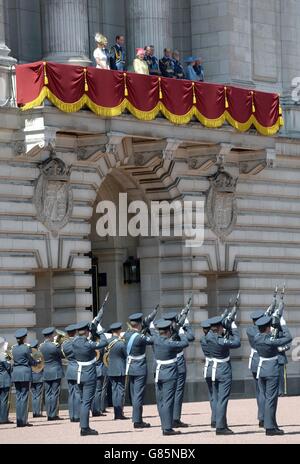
{"points": [[5, 63], [65, 31], [148, 23]]}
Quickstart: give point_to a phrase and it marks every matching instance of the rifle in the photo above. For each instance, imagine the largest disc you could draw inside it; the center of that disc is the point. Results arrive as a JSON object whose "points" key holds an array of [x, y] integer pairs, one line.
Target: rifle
{"points": [[98, 319], [227, 310], [148, 319], [277, 315], [273, 305], [180, 320], [231, 317]]}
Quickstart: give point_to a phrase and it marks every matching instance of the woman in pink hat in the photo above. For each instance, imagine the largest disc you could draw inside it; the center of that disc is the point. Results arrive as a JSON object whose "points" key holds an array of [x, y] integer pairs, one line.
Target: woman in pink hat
{"points": [[139, 64]]}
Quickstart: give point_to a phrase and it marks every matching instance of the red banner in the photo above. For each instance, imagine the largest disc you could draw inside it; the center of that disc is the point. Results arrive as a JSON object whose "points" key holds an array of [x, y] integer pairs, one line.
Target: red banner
{"points": [[110, 93]]}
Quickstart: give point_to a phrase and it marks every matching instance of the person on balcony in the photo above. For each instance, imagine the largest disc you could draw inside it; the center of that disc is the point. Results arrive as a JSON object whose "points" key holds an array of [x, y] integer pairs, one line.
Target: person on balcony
{"points": [[101, 54], [178, 68], [118, 54], [190, 73], [152, 61], [166, 64], [199, 69], [140, 66]]}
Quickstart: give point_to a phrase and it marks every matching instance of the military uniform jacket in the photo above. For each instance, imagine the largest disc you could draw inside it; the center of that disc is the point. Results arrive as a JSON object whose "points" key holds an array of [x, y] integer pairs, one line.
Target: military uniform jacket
{"points": [[85, 351], [137, 367], [166, 66], [166, 349], [267, 347], [219, 347], [117, 359], [153, 65], [53, 369], [38, 377], [117, 56], [282, 357], [178, 70], [22, 363], [67, 351], [251, 334], [5, 374]]}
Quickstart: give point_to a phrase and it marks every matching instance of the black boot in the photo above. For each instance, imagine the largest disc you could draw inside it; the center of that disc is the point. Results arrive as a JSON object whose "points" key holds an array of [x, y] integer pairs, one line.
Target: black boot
{"points": [[178, 424], [88, 431], [224, 432], [171, 432], [273, 432], [141, 425]]}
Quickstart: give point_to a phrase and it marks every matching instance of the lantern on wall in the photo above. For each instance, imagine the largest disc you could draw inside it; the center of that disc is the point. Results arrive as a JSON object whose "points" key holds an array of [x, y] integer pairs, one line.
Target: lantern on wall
{"points": [[131, 270]]}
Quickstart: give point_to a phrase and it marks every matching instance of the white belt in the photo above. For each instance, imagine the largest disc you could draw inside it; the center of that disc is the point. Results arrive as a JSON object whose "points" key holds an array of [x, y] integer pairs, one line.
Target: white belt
{"points": [[133, 358], [207, 361], [261, 360], [81, 365], [162, 363], [215, 365], [180, 354], [253, 351]]}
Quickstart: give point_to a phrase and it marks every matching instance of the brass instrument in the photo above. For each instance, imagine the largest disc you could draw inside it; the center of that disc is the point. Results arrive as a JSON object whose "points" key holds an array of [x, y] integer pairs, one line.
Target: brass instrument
{"points": [[37, 356], [6, 352], [108, 348], [60, 337]]}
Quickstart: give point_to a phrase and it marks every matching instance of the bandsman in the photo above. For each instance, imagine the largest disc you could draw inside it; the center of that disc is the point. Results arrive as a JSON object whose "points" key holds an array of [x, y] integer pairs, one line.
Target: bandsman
{"points": [[22, 376], [36, 388], [53, 373], [5, 382]]}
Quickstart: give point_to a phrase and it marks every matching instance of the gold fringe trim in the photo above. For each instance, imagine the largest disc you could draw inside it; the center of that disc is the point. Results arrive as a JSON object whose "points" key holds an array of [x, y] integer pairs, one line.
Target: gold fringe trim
{"points": [[152, 114], [253, 106]]}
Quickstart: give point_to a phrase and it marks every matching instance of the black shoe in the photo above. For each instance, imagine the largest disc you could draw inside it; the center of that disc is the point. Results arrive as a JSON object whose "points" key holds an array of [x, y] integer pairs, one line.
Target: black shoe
{"points": [[105, 411], [213, 425], [85, 432], [121, 418], [55, 418], [171, 432], [273, 432], [98, 414], [28, 425], [178, 424], [141, 425], [37, 415], [74, 420], [224, 432], [261, 424]]}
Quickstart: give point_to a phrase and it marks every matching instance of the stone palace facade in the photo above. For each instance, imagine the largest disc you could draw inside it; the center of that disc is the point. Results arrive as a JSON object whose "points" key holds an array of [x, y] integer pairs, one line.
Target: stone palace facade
{"points": [[44, 262]]}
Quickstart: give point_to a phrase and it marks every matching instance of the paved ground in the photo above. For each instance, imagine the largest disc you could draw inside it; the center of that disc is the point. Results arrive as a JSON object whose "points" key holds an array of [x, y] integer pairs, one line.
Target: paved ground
{"points": [[241, 418]]}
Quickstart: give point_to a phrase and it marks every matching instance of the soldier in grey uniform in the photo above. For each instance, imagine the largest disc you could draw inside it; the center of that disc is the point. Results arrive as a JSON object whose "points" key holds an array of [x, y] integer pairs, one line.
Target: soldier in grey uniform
{"points": [[22, 376], [53, 373], [203, 342], [219, 369], [268, 369], [117, 369], [5, 383], [179, 394], [166, 375], [36, 388], [97, 407], [253, 364], [85, 354], [71, 374], [136, 368]]}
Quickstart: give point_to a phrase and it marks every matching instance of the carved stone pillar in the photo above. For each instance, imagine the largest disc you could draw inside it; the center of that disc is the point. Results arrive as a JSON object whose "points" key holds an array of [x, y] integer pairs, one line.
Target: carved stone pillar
{"points": [[5, 63], [148, 23], [65, 31]]}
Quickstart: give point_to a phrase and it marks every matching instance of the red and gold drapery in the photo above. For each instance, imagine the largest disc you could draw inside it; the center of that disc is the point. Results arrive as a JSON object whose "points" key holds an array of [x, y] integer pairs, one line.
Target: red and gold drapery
{"points": [[110, 93]]}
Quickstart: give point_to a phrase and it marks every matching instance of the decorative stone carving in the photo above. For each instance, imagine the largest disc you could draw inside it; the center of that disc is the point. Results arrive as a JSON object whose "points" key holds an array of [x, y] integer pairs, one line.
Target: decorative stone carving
{"points": [[53, 195], [170, 149], [221, 203], [19, 148]]}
